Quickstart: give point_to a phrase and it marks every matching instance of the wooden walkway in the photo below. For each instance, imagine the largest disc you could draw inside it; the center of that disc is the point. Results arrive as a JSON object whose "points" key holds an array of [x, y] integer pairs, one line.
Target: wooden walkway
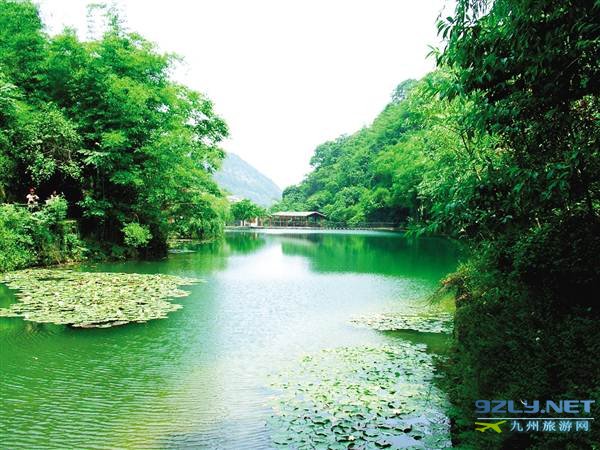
{"points": [[372, 227]]}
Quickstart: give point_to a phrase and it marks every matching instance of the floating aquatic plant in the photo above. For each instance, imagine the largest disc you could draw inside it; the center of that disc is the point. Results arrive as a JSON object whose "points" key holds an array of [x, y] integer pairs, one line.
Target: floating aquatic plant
{"points": [[361, 398], [91, 299], [428, 322]]}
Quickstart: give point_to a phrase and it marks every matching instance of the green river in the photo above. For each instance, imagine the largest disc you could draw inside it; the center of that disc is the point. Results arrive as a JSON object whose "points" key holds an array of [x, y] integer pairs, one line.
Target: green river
{"points": [[202, 378]]}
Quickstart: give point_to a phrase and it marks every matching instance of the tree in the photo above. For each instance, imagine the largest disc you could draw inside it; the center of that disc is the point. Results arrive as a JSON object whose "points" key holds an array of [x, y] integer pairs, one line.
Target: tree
{"points": [[23, 45], [533, 214], [103, 122], [380, 173], [245, 210]]}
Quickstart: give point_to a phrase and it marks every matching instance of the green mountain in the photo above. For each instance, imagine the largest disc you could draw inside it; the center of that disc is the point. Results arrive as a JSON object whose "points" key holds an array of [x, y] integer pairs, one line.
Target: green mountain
{"points": [[239, 178]]}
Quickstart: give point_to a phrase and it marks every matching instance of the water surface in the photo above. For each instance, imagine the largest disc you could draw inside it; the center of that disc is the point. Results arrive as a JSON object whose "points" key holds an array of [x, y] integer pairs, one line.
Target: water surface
{"points": [[198, 379]]}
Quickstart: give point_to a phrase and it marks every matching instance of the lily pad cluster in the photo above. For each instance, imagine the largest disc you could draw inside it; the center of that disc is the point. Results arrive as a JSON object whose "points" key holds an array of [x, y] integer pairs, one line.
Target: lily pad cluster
{"points": [[360, 398], [427, 322], [91, 299]]}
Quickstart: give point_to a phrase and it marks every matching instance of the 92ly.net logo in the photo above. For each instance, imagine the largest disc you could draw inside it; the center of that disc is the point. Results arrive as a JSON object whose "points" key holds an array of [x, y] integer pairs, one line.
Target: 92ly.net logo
{"points": [[531, 416]]}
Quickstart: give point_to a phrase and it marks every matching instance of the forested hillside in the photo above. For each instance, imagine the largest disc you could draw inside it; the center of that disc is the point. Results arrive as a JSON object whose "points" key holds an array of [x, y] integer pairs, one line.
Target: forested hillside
{"points": [[239, 178], [101, 123], [401, 168], [498, 147]]}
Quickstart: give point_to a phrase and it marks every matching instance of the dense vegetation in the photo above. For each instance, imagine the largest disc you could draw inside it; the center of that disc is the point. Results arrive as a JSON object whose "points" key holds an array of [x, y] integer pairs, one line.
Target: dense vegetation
{"points": [[102, 122], [39, 238], [401, 169], [500, 147]]}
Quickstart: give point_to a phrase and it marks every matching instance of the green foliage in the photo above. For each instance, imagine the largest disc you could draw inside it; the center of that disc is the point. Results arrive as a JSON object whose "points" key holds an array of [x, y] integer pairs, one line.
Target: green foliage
{"points": [[414, 164], [44, 144], [347, 183], [136, 235], [511, 342], [539, 100], [527, 314], [203, 217], [16, 241], [55, 210], [38, 238], [246, 210], [22, 44], [102, 121]]}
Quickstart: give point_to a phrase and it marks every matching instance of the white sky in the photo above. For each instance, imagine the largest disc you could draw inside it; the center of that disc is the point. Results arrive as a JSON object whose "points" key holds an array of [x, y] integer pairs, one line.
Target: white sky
{"points": [[286, 75]]}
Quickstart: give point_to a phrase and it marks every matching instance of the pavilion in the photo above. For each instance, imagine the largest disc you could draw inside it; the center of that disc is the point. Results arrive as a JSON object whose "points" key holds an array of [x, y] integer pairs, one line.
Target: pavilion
{"points": [[296, 219]]}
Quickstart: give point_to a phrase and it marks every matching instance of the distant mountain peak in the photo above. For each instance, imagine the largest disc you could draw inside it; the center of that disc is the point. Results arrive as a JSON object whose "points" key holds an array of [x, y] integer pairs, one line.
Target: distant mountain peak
{"points": [[240, 179]]}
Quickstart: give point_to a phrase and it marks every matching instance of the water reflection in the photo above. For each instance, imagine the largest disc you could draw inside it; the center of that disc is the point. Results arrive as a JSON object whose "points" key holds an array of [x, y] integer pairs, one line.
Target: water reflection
{"points": [[382, 253]]}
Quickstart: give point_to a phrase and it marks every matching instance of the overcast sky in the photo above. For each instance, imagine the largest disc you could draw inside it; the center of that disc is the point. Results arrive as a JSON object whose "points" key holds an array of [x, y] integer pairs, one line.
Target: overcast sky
{"points": [[286, 75]]}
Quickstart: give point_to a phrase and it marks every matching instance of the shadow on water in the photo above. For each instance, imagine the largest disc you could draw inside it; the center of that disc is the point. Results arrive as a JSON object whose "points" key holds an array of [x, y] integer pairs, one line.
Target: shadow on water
{"points": [[7, 296], [243, 243], [438, 343], [382, 253]]}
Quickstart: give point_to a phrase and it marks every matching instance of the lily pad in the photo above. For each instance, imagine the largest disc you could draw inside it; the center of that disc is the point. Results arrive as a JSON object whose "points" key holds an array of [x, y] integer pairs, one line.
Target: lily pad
{"points": [[91, 299], [361, 397], [426, 322]]}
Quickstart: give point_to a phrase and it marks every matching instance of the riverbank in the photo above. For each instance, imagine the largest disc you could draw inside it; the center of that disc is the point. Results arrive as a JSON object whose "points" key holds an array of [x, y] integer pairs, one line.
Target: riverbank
{"points": [[45, 237], [323, 227], [514, 344]]}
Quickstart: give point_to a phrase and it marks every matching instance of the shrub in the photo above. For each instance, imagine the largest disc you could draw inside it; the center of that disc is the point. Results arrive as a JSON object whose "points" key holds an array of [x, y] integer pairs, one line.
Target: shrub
{"points": [[136, 235], [55, 210], [40, 238], [523, 330], [17, 248]]}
